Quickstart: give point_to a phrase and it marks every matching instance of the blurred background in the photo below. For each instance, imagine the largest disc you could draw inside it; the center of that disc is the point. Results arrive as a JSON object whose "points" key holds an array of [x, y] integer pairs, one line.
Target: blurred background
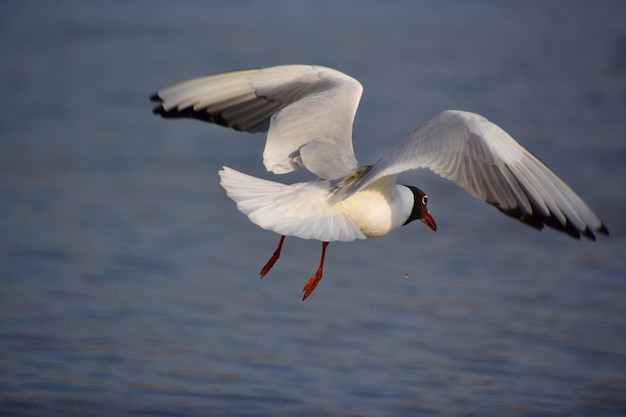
{"points": [[129, 281]]}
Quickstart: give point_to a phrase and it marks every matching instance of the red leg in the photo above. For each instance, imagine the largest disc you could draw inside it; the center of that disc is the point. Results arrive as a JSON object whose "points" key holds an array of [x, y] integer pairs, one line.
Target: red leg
{"points": [[312, 283], [273, 259]]}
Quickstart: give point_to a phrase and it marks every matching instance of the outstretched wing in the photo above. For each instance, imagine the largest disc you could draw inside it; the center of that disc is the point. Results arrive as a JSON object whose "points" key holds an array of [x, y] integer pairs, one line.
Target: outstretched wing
{"points": [[308, 112], [482, 158]]}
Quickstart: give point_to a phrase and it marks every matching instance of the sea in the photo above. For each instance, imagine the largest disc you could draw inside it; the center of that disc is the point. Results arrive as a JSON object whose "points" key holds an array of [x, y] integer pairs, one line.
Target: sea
{"points": [[129, 282]]}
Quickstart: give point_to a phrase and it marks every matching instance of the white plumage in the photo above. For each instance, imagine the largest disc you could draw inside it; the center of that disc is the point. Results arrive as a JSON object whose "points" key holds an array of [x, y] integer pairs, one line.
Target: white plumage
{"points": [[302, 209]]}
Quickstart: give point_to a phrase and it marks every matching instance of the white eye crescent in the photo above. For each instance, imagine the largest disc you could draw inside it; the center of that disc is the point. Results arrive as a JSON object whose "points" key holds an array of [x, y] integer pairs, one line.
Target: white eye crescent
{"points": [[425, 200]]}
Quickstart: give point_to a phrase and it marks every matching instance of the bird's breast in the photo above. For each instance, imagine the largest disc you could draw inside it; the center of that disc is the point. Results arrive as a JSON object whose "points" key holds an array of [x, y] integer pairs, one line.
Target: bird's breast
{"points": [[375, 212]]}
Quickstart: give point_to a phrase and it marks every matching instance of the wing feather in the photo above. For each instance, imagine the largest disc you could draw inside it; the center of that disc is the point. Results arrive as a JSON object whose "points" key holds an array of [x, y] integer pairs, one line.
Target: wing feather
{"points": [[297, 105], [482, 158]]}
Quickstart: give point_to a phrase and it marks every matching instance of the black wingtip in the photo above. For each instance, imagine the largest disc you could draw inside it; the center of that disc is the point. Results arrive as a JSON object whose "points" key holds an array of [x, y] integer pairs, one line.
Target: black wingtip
{"points": [[175, 112], [538, 221], [527, 219], [161, 112], [602, 229], [591, 236], [588, 234], [155, 98]]}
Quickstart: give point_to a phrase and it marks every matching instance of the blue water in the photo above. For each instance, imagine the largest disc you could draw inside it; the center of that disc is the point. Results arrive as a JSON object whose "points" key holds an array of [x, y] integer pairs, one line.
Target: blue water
{"points": [[129, 282]]}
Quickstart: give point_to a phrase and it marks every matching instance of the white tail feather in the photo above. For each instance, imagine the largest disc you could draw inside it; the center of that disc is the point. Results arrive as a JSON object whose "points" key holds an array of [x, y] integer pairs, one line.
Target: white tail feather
{"points": [[303, 209]]}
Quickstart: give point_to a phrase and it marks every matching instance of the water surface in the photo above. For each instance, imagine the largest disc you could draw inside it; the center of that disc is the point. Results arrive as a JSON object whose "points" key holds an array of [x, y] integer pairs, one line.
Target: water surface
{"points": [[130, 282]]}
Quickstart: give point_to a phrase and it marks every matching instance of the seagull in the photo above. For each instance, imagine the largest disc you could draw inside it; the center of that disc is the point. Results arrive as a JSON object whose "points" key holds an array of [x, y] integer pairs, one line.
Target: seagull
{"points": [[308, 113]]}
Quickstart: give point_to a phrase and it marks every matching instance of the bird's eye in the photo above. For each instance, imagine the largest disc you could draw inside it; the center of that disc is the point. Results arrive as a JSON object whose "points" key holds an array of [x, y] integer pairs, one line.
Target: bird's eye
{"points": [[425, 200]]}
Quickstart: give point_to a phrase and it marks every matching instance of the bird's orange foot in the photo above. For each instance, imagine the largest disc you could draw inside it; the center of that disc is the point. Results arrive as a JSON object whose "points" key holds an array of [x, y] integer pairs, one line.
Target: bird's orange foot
{"points": [[311, 284], [273, 259], [269, 265]]}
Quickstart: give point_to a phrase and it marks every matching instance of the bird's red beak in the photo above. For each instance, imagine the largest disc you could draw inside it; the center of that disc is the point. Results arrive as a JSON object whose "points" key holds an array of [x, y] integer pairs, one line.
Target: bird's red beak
{"points": [[430, 222]]}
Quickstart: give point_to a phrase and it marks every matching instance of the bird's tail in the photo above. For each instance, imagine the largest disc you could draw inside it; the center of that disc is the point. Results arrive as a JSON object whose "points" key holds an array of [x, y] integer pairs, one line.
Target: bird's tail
{"points": [[304, 210]]}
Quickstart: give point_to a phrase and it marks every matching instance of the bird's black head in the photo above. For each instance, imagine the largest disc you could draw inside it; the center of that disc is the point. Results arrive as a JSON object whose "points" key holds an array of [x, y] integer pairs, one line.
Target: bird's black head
{"points": [[420, 211]]}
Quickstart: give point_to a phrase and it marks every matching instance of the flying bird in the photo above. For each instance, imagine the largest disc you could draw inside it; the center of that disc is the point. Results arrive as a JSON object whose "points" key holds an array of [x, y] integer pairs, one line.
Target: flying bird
{"points": [[308, 113]]}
